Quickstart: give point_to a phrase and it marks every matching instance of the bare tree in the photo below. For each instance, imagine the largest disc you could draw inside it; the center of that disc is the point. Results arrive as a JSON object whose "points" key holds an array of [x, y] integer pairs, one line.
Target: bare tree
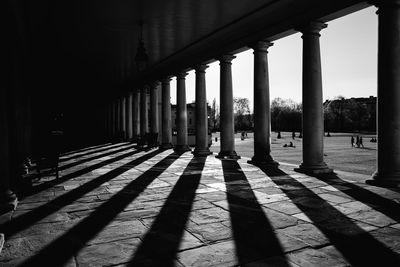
{"points": [[214, 114], [241, 108]]}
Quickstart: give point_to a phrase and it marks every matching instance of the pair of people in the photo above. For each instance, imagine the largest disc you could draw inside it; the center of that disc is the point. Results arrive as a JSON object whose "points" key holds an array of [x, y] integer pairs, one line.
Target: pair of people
{"points": [[359, 141], [290, 144]]}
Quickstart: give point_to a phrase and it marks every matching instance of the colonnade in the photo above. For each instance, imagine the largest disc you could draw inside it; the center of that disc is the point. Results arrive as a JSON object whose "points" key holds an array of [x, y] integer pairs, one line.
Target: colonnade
{"points": [[136, 116], [388, 164]]}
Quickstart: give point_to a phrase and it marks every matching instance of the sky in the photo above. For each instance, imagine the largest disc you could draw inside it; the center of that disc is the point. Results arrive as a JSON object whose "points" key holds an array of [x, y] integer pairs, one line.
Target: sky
{"points": [[348, 59]]}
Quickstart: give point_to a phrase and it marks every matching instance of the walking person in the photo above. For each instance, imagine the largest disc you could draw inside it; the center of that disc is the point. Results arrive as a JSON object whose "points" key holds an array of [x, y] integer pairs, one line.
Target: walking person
{"points": [[360, 142], [352, 141]]}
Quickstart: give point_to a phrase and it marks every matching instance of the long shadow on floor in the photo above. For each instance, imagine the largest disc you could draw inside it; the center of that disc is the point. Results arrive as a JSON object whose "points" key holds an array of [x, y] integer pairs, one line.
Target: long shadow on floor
{"points": [[386, 206], [253, 233], [41, 187], [27, 219], [357, 246], [76, 163], [85, 149], [95, 150], [161, 243], [63, 248]]}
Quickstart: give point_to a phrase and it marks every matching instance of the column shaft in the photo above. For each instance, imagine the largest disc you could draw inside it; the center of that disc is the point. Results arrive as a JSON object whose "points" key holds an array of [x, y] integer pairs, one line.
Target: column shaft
{"points": [[6, 195], [153, 114], [113, 122], [313, 116], [262, 112], [129, 117], [143, 116], [226, 109], [118, 119], [166, 114], [123, 118], [388, 101], [136, 115], [201, 113], [181, 114]]}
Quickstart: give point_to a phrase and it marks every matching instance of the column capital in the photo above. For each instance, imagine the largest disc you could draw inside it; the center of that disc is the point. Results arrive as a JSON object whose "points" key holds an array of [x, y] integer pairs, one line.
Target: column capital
{"points": [[201, 68], [145, 89], [261, 46], [153, 85], [166, 79], [312, 28], [226, 58], [181, 75]]}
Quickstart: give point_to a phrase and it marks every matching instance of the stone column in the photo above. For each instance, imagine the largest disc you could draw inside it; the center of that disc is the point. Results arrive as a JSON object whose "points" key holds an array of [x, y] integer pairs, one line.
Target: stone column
{"points": [[166, 114], [181, 114], [129, 117], [201, 113], [6, 195], [313, 115], [123, 118], [153, 114], [226, 107], [143, 116], [388, 100], [136, 116], [113, 123], [262, 112], [117, 119]]}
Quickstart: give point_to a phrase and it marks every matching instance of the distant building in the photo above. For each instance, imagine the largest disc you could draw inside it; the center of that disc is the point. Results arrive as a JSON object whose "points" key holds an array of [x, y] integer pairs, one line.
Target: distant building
{"points": [[191, 122]]}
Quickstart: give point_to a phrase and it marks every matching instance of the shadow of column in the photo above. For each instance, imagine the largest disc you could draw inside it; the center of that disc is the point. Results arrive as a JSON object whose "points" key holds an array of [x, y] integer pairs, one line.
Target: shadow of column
{"points": [[357, 246], [253, 233], [386, 206], [47, 185], [63, 248], [161, 243], [27, 219]]}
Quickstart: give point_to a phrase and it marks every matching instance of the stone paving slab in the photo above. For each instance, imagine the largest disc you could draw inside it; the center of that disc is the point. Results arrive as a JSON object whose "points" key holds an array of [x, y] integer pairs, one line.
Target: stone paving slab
{"points": [[176, 210]]}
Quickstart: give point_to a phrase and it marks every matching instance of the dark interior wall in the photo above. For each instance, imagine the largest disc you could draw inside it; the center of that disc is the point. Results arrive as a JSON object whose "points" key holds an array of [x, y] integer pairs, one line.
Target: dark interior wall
{"points": [[65, 77], [52, 81]]}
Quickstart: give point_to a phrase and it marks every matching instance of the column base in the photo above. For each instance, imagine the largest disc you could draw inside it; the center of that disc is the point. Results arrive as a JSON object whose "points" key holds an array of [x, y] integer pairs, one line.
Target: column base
{"points": [[314, 169], [8, 201], [166, 146], [267, 162], [227, 155], [385, 180], [182, 148], [202, 152]]}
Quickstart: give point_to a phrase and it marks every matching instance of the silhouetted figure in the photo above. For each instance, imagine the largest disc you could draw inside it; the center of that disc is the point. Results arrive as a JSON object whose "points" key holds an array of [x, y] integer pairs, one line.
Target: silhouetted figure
{"points": [[279, 135], [293, 135], [360, 142], [285, 145], [352, 141], [291, 144], [373, 140]]}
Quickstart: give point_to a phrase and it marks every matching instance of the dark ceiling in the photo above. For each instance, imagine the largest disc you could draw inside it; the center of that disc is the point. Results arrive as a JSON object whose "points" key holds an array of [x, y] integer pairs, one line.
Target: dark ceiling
{"points": [[90, 45]]}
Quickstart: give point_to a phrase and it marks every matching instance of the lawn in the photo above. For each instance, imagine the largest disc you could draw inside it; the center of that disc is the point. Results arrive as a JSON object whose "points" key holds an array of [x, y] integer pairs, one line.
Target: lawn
{"points": [[339, 154]]}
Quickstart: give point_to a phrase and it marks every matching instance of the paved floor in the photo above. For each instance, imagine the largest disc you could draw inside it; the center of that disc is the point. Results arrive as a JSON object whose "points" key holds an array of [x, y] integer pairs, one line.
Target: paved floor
{"points": [[117, 206]]}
